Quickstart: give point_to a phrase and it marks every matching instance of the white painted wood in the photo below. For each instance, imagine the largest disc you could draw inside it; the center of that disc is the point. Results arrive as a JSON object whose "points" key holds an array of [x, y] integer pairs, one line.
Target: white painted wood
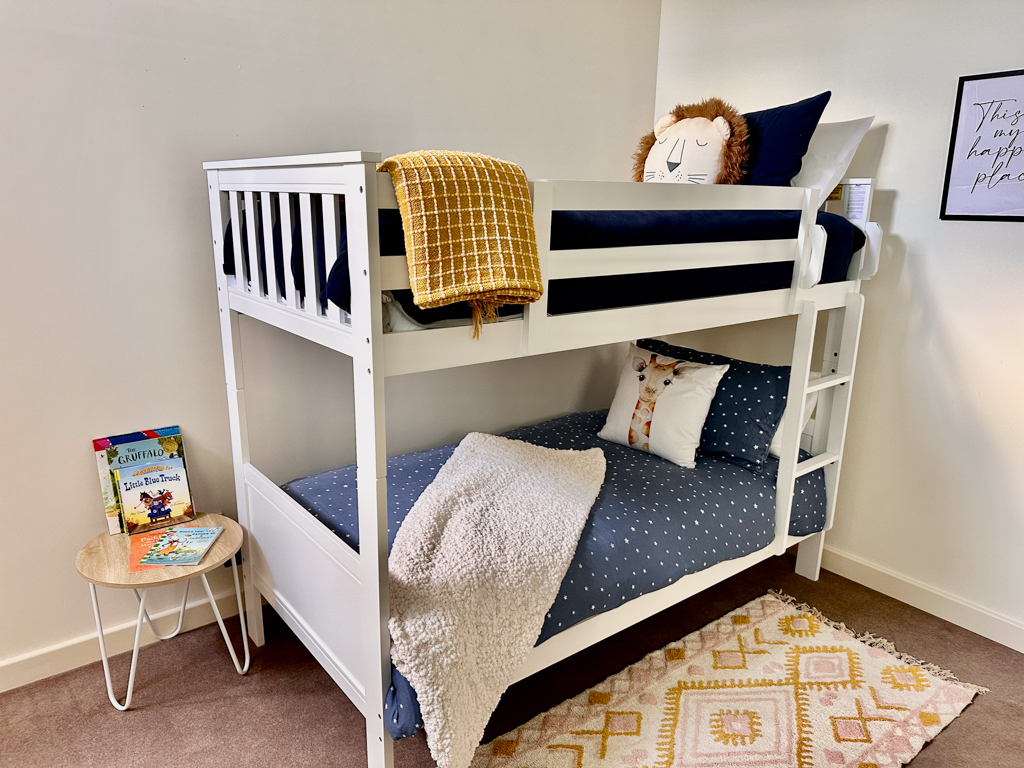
{"points": [[371, 455], [438, 348], [808, 556], [816, 260], [807, 466], [291, 296], [394, 273], [872, 252], [596, 262], [630, 196], [235, 383], [291, 161], [241, 278], [386, 197], [274, 291], [253, 258], [803, 347], [805, 246], [315, 328], [328, 208], [833, 380], [311, 302]]}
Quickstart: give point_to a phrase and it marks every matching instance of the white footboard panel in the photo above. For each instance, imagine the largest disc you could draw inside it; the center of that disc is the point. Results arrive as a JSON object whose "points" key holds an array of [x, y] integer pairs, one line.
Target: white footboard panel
{"points": [[311, 578]]}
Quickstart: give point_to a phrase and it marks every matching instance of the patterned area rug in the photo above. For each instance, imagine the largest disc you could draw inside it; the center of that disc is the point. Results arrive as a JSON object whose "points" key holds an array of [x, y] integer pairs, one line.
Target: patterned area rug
{"points": [[773, 683]]}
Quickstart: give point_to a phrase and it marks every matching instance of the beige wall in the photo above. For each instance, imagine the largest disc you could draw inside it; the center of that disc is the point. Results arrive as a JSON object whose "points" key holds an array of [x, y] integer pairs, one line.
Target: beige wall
{"points": [[108, 309], [932, 493]]}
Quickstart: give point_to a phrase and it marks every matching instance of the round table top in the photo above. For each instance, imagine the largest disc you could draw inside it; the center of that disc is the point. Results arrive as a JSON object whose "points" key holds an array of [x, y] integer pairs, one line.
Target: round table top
{"points": [[104, 560]]}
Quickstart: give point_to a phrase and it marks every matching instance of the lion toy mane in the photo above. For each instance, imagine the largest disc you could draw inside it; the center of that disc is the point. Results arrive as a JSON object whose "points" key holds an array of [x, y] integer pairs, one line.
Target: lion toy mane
{"points": [[704, 143]]}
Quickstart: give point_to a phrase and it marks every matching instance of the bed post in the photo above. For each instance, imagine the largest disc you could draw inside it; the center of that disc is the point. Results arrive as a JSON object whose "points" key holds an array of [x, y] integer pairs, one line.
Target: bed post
{"points": [[235, 381], [371, 454]]}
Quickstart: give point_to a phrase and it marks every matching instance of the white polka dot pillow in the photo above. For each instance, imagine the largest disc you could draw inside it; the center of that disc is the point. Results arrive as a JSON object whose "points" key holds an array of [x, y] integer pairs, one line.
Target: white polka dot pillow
{"points": [[661, 404], [747, 408]]}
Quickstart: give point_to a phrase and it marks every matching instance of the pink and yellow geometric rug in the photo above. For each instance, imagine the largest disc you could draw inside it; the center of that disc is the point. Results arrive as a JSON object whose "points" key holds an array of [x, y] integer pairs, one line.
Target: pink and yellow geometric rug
{"points": [[773, 683]]}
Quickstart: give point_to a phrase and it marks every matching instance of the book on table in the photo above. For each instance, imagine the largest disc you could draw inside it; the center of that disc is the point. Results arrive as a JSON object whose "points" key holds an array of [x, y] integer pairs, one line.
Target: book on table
{"points": [[117, 454], [181, 546]]}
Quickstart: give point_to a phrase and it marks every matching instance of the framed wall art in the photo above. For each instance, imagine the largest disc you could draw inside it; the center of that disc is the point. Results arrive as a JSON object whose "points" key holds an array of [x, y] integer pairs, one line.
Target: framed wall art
{"points": [[985, 167]]}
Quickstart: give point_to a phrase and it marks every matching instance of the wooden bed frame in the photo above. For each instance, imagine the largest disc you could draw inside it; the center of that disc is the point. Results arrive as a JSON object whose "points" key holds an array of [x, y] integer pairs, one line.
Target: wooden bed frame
{"points": [[335, 599]]}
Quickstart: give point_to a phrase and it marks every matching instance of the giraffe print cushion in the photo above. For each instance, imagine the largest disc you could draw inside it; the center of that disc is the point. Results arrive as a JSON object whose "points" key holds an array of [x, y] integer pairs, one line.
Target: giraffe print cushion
{"points": [[661, 404]]}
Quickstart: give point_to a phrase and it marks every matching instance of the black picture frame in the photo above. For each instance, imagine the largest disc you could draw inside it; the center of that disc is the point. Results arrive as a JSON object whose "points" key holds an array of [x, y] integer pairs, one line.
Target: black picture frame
{"points": [[944, 214]]}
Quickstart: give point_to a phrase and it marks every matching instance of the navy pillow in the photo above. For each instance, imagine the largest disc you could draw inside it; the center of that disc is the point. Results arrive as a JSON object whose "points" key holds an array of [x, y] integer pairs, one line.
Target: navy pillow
{"points": [[778, 138], [747, 408]]}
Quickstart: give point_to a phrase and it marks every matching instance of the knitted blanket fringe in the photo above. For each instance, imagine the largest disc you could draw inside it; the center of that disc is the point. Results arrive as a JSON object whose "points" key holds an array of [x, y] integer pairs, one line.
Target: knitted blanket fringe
{"points": [[469, 232]]}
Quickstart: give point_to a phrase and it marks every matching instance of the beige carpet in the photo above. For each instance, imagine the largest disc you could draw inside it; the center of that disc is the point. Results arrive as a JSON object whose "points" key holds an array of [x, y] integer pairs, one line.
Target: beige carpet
{"points": [[287, 711]]}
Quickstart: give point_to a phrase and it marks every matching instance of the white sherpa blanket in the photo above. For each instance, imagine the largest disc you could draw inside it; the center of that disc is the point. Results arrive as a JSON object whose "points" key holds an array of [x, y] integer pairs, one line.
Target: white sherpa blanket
{"points": [[474, 569]]}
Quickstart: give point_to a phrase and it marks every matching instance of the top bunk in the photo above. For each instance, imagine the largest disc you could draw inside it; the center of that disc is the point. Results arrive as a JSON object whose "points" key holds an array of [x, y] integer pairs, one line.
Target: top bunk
{"points": [[619, 260]]}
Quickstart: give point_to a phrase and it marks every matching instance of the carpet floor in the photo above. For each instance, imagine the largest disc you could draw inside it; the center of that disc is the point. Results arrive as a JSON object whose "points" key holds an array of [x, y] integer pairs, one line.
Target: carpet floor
{"points": [[191, 709]]}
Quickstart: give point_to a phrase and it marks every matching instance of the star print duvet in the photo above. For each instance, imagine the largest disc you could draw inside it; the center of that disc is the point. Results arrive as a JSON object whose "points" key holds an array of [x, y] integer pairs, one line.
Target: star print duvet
{"points": [[653, 523]]}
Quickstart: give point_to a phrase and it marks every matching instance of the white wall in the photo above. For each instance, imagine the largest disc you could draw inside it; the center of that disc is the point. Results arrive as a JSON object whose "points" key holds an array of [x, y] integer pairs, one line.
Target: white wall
{"points": [[108, 306], [931, 503]]}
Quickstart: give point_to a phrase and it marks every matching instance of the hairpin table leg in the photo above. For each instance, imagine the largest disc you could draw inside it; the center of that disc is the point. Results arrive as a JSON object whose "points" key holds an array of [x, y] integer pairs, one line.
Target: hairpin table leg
{"points": [[181, 615], [240, 668], [103, 649]]}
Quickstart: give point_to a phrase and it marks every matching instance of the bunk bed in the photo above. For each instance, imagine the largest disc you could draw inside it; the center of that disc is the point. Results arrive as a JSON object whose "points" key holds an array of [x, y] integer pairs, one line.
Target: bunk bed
{"points": [[337, 203]]}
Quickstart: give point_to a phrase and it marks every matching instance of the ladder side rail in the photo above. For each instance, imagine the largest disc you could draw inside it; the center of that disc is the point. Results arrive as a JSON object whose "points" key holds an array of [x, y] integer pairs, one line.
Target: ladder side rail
{"points": [[803, 349], [235, 385], [806, 237], [371, 456]]}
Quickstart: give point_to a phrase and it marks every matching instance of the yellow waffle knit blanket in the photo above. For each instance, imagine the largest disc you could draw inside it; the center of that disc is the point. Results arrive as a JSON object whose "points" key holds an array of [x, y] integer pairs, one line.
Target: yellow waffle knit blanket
{"points": [[468, 230]]}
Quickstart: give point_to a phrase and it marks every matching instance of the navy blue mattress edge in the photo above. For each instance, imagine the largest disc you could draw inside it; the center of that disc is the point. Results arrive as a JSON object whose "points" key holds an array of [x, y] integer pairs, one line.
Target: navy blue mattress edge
{"points": [[652, 523], [586, 230]]}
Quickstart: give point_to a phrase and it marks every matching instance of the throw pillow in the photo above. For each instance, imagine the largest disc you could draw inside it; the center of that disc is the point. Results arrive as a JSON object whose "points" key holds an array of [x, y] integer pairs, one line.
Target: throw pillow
{"points": [[829, 154], [681, 391], [777, 140]]}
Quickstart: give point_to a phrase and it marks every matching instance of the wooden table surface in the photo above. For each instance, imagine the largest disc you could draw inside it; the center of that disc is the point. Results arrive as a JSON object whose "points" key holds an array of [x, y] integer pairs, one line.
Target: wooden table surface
{"points": [[104, 560]]}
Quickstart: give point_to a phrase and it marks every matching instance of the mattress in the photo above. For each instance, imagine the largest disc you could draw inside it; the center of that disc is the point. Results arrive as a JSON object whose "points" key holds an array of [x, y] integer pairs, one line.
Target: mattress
{"points": [[652, 523], [596, 229]]}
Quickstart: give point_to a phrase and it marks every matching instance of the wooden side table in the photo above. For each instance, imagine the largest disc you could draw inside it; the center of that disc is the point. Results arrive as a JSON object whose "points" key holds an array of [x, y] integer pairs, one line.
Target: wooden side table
{"points": [[104, 561]]}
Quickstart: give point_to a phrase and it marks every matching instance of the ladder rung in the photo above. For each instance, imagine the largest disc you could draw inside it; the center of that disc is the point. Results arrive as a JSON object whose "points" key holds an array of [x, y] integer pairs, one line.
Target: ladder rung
{"points": [[816, 462], [828, 381]]}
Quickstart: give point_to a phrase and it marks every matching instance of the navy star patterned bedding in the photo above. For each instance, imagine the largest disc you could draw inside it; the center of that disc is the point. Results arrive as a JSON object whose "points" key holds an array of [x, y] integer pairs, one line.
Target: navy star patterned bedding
{"points": [[653, 523]]}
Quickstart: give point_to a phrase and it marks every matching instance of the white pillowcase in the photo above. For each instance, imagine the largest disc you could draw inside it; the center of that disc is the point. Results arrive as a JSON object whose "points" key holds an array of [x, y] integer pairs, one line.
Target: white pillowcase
{"points": [[829, 154], [775, 449], [661, 404]]}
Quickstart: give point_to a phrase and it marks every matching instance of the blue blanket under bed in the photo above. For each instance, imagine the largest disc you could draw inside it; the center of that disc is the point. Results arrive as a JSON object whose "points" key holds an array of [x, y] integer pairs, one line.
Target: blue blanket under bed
{"points": [[653, 523], [590, 229]]}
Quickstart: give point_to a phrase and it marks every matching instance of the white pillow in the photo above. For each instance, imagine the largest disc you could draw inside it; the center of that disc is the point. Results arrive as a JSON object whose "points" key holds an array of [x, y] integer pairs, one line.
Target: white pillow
{"points": [[829, 154], [775, 449], [680, 391]]}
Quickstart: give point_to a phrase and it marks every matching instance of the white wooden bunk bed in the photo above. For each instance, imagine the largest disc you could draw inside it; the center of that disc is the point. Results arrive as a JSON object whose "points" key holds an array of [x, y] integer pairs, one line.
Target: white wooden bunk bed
{"points": [[343, 619]]}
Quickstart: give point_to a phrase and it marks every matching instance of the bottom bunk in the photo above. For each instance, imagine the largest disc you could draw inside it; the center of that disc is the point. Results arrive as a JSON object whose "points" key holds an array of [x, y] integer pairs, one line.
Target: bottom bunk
{"points": [[653, 523]]}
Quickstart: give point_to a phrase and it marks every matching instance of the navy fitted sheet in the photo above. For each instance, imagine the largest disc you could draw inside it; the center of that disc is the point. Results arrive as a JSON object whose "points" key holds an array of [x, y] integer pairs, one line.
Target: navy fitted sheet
{"points": [[653, 522]]}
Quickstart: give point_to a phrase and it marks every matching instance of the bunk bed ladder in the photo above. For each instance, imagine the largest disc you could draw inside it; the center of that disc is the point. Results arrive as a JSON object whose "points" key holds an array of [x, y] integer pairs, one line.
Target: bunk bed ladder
{"points": [[833, 410]]}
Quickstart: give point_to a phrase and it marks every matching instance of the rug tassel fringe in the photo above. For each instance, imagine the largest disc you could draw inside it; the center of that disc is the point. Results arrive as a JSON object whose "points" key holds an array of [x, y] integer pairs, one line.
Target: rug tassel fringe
{"points": [[872, 641]]}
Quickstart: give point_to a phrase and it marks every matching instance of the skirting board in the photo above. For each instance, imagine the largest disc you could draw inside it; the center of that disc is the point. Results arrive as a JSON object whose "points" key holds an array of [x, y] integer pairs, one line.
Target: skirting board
{"points": [[79, 651], [995, 626]]}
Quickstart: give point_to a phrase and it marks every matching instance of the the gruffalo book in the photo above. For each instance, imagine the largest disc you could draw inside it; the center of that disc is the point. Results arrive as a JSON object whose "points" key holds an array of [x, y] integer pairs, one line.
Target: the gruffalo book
{"points": [[117, 452], [154, 495]]}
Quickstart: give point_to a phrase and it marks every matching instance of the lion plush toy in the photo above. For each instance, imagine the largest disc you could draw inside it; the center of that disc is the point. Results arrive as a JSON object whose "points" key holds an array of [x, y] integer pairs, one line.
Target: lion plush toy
{"points": [[703, 143]]}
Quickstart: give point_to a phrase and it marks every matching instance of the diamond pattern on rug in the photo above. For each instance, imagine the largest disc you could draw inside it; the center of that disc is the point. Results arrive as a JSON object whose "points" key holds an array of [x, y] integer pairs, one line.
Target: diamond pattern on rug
{"points": [[768, 685]]}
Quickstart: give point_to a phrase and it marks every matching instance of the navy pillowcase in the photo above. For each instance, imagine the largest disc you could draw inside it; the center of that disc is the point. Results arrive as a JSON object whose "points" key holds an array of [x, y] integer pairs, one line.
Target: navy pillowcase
{"points": [[778, 138], [747, 407]]}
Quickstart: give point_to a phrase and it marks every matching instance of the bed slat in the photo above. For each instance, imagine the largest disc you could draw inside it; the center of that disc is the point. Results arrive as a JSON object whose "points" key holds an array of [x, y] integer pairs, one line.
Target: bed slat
{"points": [[267, 217], [241, 278], [328, 205], [312, 301], [253, 258], [284, 216]]}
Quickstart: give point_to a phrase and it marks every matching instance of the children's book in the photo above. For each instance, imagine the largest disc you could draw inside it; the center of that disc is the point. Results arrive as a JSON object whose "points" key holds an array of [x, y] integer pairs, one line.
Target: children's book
{"points": [[154, 495], [181, 546], [139, 548], [117, 452]]}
